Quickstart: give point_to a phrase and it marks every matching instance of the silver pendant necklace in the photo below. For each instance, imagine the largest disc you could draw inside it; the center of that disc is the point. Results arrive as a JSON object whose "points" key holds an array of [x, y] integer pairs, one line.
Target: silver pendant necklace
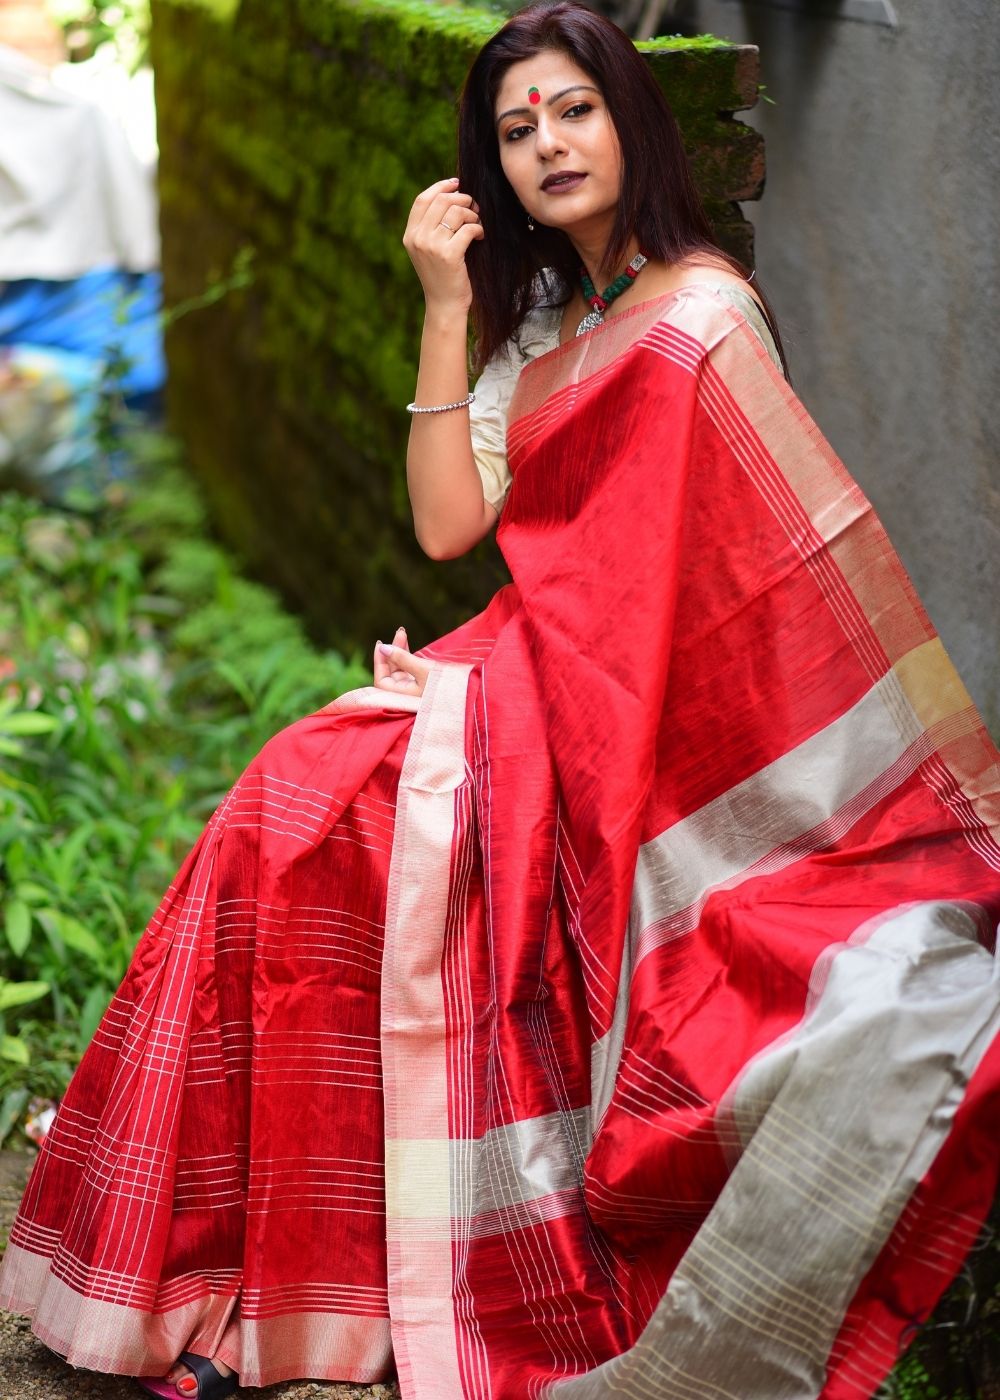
{"points": [[592, 319], [600, 304]]}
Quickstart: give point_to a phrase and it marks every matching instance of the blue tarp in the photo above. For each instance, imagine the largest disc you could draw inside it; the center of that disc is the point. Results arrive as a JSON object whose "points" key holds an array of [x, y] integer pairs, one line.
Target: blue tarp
{"points": [[89, 316]]}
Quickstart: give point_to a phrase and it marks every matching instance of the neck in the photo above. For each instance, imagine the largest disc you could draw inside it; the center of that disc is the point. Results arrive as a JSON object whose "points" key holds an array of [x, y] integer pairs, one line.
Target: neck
{"points": [[592, 255]]}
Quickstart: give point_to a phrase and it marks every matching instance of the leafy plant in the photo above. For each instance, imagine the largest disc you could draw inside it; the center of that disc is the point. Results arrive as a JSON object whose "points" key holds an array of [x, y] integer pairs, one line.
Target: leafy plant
{"points": [[90, 23], [140, 672]]}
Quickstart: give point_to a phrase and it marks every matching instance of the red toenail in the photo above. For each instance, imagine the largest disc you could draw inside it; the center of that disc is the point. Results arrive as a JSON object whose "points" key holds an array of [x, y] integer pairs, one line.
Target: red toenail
{"points": [[188, 1384]]}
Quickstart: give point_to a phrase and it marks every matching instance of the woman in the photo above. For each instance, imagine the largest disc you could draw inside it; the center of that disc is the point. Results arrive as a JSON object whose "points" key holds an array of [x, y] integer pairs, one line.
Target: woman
{"points": [[599, 1003]]}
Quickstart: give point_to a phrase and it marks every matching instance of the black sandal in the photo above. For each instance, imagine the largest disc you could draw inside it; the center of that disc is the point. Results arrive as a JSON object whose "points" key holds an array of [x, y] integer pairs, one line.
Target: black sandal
{"points": [[211, 1385]]}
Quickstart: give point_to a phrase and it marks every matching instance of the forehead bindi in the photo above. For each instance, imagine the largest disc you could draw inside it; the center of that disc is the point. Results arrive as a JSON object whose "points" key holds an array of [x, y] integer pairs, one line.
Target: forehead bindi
{"points": [[532, 84]]}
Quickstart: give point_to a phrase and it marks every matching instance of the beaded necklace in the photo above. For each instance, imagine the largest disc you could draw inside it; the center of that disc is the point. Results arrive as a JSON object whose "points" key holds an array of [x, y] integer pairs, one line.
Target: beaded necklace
{"points": [[601, 303]]}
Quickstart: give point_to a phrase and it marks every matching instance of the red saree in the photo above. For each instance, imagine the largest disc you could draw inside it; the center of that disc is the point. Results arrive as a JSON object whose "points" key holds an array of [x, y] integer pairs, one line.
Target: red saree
{"points": [[618, 1019]]}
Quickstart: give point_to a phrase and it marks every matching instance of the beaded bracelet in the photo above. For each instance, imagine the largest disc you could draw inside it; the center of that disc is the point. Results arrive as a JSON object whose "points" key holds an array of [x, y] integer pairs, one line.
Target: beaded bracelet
{"points": [[441, 407]]}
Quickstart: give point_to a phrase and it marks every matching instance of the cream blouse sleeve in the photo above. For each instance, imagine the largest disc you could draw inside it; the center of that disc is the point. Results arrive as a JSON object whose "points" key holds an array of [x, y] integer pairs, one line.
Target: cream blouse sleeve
{"points": [[755, 318], [538, 332]]}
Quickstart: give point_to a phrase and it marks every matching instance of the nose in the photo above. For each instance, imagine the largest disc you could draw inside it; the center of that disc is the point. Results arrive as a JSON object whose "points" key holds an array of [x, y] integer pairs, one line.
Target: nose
{"points": [[549, 140]]}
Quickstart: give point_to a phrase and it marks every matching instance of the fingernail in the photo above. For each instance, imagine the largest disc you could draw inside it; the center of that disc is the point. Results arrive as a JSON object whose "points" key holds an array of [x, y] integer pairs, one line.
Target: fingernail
{"points": [[452, 179], [385, 648]]}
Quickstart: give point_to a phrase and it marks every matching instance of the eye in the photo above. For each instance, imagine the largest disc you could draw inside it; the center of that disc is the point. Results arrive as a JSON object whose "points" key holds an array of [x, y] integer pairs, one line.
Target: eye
{"points": [[581, 107]]}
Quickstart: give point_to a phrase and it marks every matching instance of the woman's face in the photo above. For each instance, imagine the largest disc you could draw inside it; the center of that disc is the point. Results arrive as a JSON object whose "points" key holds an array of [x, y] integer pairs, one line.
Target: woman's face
{"points": [[551, 119]]}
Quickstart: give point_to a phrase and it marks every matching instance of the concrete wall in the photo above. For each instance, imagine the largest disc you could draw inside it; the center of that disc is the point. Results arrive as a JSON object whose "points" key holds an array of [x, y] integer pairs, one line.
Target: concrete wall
{"points": [[878, 239]]}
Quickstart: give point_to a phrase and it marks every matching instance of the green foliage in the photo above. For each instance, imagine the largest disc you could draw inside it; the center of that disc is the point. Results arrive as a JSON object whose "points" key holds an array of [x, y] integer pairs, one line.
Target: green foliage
{"points": [[91, 23], [956, 1354], [143, 671]]}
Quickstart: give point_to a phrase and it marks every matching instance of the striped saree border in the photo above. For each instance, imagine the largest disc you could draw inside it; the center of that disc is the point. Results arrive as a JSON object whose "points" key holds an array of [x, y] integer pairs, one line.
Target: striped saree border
{"points": [[845, 546], [117, 1338], [105, 1335], [864, 583], [413, 1032]]}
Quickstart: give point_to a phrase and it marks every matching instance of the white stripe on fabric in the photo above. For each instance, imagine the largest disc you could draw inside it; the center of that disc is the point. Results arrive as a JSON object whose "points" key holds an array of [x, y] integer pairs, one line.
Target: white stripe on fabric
{"points": [[413, 1036], [814, 791], [793, 795]]}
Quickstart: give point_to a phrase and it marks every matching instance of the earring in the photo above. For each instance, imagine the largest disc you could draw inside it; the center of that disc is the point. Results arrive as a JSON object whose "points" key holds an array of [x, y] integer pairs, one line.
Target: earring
{"points": [[531, 224]]}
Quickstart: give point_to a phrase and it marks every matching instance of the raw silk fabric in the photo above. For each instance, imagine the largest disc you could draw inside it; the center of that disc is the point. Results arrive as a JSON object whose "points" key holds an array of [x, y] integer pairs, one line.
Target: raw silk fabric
{"points": [[617, 1020]]}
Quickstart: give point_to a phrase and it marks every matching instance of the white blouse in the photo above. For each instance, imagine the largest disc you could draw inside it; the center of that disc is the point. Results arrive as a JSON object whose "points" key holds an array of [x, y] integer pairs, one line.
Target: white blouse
{"points": [[538, 333]]}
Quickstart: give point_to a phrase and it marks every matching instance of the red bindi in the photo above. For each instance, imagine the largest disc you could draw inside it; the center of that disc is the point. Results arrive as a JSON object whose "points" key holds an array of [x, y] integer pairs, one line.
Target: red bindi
{"points": [[534, 96]]}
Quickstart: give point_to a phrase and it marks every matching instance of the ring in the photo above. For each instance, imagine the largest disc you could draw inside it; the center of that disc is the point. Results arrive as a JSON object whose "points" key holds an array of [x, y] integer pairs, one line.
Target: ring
{"points": [[447, 226]]}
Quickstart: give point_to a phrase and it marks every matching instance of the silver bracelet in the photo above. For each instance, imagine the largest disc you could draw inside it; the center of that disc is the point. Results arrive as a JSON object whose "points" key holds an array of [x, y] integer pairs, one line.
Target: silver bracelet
{"points": [[441, 407]]}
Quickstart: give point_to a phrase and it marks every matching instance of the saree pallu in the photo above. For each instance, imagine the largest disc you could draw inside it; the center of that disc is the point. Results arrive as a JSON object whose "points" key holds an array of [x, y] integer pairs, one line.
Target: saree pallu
{"points": [[617, 1019]]}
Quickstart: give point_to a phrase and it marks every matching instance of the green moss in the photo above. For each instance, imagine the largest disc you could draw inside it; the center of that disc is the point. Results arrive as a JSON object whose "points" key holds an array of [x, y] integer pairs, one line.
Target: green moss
{"points": [[224, 10], [701, 43]]}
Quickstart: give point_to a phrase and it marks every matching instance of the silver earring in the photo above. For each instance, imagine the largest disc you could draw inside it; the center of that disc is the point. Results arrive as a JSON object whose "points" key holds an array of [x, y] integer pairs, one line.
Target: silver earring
{"points": [[531, 224]]}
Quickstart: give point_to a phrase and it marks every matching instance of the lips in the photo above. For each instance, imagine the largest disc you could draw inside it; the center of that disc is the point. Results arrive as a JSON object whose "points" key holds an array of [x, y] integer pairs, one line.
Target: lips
{"points": [[561, 177]]}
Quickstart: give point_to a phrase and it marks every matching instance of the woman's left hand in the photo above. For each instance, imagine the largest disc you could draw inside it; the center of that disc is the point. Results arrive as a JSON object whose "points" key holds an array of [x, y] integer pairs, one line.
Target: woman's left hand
{"points": [[396, 668]]}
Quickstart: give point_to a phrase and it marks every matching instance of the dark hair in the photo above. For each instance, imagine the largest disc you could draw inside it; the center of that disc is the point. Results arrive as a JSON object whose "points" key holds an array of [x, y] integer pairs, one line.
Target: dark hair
{"points": [[658, 203]]}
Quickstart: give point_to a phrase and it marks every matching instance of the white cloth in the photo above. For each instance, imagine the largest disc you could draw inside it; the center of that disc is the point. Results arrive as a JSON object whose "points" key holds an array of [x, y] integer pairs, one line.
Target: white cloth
{"points": [[539, 332], [73, 196]]}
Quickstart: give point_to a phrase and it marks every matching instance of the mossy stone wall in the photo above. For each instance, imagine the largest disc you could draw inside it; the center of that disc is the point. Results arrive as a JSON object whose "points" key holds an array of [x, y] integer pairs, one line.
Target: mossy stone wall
{"points": [[304, 129]]}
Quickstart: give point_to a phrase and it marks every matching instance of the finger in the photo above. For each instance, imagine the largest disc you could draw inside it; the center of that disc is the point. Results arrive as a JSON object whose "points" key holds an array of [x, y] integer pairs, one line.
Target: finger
{"points": [[444, 206], [392, 657], [408, 686], [424, 199], [454, 246], [400, 660], [426, 196], [456, 216], [453, 242], [399, 638], [450, 182], [402, 680], [431, 207], [381, 665]]}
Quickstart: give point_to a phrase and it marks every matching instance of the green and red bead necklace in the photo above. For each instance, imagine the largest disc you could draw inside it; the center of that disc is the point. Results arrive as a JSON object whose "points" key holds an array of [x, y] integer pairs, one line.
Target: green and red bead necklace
{"points": [[600, 303]]}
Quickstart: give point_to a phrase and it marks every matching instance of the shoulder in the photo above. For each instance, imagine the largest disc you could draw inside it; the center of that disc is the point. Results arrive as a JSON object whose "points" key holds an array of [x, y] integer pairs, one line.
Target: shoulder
{"points": [[716, 276], [725, 288]]}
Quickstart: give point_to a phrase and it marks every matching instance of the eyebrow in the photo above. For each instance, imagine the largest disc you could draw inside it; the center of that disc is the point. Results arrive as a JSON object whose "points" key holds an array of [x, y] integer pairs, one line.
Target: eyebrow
{"points": [[522, 111]]}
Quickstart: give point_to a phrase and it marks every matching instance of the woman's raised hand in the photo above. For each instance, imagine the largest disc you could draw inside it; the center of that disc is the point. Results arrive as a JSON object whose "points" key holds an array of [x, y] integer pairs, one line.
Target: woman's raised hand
{"points": [[441, 226], [396, 668]]}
